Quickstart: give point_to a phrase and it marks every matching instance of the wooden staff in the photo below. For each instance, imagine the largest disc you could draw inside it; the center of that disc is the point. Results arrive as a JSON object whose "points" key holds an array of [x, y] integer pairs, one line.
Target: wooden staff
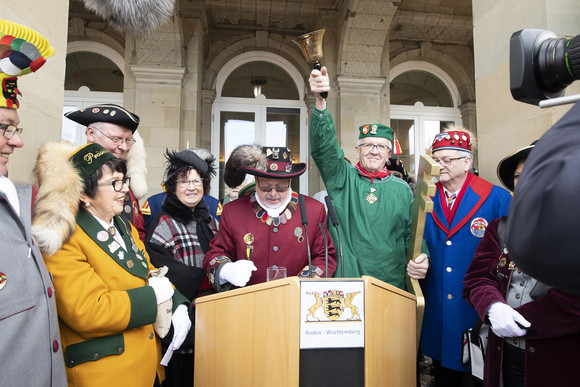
{"points": [[424, 190]]}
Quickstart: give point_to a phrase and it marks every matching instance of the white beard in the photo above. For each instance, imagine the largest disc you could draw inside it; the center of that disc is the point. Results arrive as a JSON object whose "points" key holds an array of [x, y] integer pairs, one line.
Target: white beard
{"points": [[275, 212]]}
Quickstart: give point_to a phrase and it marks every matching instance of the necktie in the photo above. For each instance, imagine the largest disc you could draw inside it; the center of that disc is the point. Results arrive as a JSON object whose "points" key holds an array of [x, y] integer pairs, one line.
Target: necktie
{"points": [[450, 200]]}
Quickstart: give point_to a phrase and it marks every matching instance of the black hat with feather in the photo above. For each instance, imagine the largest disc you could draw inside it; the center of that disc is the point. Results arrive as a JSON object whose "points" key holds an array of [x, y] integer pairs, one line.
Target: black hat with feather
{"points": [[189, 158], [269, 162]]}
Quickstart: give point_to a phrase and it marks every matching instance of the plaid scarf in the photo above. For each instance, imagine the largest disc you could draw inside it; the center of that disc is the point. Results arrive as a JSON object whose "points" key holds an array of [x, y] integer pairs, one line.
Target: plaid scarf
{"points": [[184, 232]]}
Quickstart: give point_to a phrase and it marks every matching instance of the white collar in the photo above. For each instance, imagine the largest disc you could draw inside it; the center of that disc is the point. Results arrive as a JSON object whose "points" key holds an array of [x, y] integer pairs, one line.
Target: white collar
{"points": [[9, 190], [275, 212]]}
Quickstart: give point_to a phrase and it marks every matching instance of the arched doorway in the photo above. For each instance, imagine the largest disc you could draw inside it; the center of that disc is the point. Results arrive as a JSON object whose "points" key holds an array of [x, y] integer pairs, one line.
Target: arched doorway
{"points": [[259, 100], [94, 75], [424, 100]]}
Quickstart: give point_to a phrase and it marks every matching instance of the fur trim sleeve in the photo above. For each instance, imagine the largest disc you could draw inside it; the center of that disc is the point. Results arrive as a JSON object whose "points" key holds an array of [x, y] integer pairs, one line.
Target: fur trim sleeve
{"points": [[137, 167], [57, 202]]}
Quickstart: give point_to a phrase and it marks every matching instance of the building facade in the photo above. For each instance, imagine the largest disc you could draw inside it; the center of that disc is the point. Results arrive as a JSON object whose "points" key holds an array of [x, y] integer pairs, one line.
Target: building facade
{"points": [[221, 73]]}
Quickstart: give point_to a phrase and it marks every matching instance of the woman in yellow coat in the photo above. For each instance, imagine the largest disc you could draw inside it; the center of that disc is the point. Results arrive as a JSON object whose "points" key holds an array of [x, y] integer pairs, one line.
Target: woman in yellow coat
{"points": [[107, 302]]}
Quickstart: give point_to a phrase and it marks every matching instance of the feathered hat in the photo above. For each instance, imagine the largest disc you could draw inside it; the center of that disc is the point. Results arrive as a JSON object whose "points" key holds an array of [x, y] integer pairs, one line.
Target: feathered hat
{"points": [[22, 51], [190, 158], [269, 162]]}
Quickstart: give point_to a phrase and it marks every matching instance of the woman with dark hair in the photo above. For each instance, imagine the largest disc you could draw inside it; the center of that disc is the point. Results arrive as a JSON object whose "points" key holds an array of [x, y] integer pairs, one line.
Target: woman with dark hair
{"points": [[107, 302], [535, 330], [178, 237]]}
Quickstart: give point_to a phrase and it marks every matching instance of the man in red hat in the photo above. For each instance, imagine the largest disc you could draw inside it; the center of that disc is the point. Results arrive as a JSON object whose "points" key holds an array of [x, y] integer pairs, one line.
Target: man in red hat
{"points": [[31, 352], [114, 127], [463, 206], [264, 228]]}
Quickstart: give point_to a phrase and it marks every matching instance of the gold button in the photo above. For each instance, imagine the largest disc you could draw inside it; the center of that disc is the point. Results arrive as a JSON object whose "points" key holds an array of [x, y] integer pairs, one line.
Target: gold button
{"points": [[449, 270], [449, 296], [96, 356], [532, 350], [448, 243], [151, 336], [518, 296], [522, 283]]}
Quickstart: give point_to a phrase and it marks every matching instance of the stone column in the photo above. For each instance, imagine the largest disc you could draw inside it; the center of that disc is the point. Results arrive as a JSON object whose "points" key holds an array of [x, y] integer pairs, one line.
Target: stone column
{"points": [[153, 90], [360, 103]]}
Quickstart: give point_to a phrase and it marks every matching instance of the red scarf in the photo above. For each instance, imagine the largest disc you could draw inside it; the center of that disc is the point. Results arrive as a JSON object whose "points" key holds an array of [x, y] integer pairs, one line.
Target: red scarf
{"points": [[378, 174]]}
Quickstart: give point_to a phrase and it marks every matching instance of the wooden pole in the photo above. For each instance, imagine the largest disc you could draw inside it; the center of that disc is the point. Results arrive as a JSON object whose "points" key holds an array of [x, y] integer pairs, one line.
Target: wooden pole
{"points": [[425, 189]]}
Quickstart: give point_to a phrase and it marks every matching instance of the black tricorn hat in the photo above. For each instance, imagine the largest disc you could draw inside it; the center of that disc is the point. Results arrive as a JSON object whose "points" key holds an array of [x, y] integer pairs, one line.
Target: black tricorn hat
{"points": [[110, 113], [269, 162], [507, 167]]}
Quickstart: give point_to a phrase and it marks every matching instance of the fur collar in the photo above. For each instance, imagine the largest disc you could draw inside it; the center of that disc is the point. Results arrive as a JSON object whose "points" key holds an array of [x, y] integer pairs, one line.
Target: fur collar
{"points": [[137, 167], [174, 208], [57, 201]]}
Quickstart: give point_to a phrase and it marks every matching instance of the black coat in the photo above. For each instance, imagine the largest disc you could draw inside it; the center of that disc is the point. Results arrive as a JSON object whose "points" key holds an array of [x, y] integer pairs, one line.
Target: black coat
{"points": [[542, 232]]}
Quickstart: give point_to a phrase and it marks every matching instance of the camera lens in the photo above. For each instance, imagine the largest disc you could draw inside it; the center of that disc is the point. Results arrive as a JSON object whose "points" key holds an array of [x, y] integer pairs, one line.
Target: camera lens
{"points": [[542, 64], [558, 63]]}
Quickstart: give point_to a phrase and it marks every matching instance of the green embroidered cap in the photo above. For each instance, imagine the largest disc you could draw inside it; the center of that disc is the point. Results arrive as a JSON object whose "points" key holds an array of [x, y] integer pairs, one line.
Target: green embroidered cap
{"points": [[88, 158], [376, 130]]}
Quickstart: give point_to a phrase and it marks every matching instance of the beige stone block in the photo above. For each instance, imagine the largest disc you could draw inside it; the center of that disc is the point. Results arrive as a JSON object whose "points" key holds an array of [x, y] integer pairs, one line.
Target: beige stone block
{"points": [[151, 116], [165, 137], [166, 96], [143, 96], [172, 117]]}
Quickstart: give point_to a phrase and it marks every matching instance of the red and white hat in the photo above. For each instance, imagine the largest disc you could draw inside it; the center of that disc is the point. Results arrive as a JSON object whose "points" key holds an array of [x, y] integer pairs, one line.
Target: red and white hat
{"points": [[453, 139]]}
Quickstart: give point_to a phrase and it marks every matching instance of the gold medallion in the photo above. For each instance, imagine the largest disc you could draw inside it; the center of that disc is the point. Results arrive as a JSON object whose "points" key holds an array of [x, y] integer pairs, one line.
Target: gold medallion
{"points": [[130, 264]]}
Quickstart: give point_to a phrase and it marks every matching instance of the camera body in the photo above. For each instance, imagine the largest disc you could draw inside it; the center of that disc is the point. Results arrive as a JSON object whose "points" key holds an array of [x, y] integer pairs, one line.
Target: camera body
{"points": [[542, 65]]}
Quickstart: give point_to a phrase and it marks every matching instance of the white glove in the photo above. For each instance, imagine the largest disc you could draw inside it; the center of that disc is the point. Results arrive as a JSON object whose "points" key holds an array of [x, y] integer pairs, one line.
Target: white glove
{"points": [[181, 325], [162, 288], [504, 321], [237, 273], [417, 268]]}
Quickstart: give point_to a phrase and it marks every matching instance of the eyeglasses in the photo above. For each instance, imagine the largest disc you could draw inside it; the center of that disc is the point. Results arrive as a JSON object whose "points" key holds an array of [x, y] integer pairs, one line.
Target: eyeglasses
{"points": [[118, 184], [379, 147], [448, 160], [185, 183], [278, 188], [8, 130], [117, 140]]}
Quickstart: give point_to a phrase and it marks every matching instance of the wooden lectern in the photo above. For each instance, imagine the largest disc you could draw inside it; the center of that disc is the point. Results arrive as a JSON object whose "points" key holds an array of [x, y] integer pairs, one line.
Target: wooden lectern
{"points": [[251, 337]]}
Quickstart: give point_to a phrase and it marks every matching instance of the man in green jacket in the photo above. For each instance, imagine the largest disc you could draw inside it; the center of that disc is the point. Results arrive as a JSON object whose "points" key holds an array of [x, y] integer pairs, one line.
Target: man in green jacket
{"points": [[374, 208]]}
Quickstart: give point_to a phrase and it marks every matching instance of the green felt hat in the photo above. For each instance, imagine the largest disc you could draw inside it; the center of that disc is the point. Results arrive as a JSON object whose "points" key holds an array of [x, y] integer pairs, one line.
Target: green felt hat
{"points": [[88, 158], [376, 130]]}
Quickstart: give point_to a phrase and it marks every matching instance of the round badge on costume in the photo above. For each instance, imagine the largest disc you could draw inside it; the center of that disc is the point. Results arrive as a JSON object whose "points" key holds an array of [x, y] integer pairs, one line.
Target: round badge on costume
{"points": [[298, 231], [2, 280], [102, 236], [130, 264], [249, 238], [478, 226]]}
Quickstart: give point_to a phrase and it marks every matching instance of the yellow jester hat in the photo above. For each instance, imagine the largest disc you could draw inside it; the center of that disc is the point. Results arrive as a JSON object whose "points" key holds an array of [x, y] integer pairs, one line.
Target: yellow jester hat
{"points": [[22, 50]]}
